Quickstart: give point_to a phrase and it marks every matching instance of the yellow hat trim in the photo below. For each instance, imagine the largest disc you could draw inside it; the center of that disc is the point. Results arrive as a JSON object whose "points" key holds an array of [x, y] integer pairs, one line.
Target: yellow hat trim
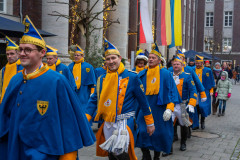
{"points": [[112, 51], [79, 52], [32, 40], [156, 53], [51, 54], [198, 60], [183, 55], [11, 48], [178, 60]]}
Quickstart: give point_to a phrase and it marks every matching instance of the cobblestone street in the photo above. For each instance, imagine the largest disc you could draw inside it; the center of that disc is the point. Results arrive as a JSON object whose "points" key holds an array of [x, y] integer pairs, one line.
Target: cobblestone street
{"points": [[226, 146]]}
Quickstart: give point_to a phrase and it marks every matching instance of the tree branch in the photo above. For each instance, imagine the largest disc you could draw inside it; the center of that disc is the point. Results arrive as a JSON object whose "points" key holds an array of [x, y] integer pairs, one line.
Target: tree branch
{"points": [[109, 24], [93, 6]]}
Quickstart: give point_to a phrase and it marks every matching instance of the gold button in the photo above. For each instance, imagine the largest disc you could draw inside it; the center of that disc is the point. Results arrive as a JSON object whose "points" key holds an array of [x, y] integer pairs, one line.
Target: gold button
{"points": [[24, 81], [20, 92], [18, 104]]}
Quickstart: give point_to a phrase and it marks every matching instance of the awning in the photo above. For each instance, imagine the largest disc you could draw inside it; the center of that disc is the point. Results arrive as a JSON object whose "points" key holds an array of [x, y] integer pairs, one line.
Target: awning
{"points": [[16, 29], [192, 54]]}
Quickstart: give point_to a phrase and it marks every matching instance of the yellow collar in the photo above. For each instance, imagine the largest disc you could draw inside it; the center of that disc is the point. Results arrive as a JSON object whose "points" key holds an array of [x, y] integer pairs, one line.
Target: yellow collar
{"points": [[79, 61], [36, 73]]}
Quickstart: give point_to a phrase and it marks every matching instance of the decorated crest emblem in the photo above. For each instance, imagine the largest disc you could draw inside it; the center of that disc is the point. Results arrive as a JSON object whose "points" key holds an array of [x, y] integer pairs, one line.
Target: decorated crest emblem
{"points": [[193, 83], [7, 42], [108, 103], [207, 74], [87, 69], [106, 44], [26, 27], [153, 80], [60, 72], [141, 86], [42, 107]]}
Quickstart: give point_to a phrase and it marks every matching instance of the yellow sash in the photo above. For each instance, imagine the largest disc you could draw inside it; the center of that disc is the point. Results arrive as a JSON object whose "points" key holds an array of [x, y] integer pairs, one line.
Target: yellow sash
{"points": [[108, 98], [77, 69], [138, 69], [53, 67], [10, 71], [199, 73], [153, 81]]}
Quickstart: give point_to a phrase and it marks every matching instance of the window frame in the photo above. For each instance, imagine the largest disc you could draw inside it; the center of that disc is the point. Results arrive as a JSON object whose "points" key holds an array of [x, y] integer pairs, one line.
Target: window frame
{"points": [[207, 45], [209, 0], [228, 19], [226, 42], [4, 7], [209, 19]]}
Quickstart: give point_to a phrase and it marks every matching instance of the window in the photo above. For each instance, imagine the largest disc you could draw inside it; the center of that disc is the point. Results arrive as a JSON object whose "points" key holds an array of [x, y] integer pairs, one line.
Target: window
{"points": [[207, 45], [2, 5], [209, 0], [227, 44], [209, 19], [228, 19]]}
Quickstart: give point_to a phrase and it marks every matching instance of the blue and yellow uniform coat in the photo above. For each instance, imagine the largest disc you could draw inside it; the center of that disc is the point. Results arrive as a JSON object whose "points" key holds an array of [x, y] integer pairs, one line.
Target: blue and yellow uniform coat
{"points": [[14, 68], [131, 93], [99, 71], [207, 79], [200, 89], [43, 120], [162, 138], [187, 89], [88, 81], [64, 70]]}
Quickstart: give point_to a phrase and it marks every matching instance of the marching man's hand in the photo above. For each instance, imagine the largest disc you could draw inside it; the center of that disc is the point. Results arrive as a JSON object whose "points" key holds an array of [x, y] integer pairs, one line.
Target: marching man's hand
{"points": [[203, 99], [150, 130], [167, 115], [191, 108]]}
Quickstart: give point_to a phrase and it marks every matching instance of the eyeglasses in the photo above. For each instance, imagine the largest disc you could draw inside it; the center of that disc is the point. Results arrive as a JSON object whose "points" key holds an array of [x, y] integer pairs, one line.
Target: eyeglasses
{"points": [[26, 51]]}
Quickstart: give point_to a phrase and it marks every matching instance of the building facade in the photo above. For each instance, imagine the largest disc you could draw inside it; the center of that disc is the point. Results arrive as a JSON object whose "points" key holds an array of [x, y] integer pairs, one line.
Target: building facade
{"points": [[219, 21]]}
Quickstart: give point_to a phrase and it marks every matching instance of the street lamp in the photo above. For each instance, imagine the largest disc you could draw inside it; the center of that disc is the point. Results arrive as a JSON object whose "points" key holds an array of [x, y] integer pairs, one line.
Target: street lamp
{"points": [[213, 47]]}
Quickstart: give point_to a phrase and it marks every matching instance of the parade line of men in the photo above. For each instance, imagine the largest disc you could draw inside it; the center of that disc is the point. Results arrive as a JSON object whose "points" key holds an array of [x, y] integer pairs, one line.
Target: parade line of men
{"points": [[46, 110]]}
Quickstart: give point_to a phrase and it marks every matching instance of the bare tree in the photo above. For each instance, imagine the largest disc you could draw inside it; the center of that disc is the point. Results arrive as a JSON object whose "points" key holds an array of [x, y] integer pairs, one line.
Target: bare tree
{"points": [[83, 18]]}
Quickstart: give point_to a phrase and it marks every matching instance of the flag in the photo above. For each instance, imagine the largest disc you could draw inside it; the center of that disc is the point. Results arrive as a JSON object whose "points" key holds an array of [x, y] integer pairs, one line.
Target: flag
{"points": [[145, 23], [176, 23], [163, 23]]}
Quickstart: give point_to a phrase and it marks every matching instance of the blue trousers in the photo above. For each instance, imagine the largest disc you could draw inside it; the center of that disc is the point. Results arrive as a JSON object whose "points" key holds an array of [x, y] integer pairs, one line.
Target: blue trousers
{"points": [[222, 103]]}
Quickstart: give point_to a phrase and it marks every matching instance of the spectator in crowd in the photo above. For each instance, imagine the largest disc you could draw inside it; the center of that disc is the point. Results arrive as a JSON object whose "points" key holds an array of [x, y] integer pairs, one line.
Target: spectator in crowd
{"points": [[223, 92], [234, 78], [191, 62], [207, 64], [217, 70]]}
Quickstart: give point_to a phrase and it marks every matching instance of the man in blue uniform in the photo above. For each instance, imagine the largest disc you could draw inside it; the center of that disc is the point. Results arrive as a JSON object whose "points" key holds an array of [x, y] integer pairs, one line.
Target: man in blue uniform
{"points": [[12, 67], [117, 93], [55, 64], [43, 121], [200, 90], [162, 94], [206, 78], [187, 90], [84, 76]]}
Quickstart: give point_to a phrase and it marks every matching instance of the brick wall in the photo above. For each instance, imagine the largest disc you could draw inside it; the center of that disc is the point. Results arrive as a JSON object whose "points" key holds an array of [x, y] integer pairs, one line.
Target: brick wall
{"points": [[236, 27], [200, 25], [191, 26], [186, 25], [218, 21]]}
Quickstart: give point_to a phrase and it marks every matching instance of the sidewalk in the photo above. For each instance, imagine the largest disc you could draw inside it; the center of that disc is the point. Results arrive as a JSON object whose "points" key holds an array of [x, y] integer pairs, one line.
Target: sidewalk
{"points": [[225, 147]]}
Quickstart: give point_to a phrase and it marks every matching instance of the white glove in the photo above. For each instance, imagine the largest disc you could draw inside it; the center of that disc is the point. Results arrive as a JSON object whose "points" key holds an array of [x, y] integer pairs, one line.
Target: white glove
{"points": [[203, 99], [191, 108], [167, 115]]}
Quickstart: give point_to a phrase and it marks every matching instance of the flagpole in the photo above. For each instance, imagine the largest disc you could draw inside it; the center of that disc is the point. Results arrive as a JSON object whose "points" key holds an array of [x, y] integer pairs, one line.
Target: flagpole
{"points": [[138, 25]]}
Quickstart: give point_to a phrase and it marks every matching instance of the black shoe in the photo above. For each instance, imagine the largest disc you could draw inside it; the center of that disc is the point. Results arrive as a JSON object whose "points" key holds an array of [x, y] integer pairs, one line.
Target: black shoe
{"points": [[166, 154], [195, 128], [183, 147], [156, 155]]}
